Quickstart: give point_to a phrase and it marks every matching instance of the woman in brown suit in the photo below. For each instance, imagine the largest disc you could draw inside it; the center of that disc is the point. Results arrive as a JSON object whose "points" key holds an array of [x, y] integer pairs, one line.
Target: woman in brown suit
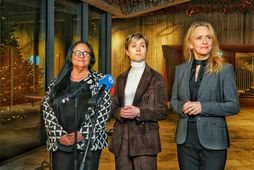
{"points": [[138, 104]]}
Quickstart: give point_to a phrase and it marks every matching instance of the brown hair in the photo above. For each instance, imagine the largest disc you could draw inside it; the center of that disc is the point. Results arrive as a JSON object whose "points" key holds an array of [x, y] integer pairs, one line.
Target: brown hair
{"points": [[134, 37]]}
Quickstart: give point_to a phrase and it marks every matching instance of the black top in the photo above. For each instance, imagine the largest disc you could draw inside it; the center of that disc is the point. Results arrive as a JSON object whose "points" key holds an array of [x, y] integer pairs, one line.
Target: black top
{"points": [[194, 86], [66, 116], [65, 111]]}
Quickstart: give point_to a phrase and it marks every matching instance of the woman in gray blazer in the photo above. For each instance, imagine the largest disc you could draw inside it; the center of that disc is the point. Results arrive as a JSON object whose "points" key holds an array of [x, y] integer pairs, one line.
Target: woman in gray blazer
{"points": [[204, 93]]}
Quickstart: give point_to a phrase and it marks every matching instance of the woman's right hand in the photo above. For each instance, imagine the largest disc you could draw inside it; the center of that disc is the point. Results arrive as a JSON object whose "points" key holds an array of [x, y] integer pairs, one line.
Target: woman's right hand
{"points": [[192, 108], [129, 112], [66, 140], [80, 137]]}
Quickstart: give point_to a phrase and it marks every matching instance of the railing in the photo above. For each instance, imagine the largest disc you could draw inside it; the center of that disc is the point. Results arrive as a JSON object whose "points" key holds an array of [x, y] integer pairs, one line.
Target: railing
{"points": [[245, 76]]}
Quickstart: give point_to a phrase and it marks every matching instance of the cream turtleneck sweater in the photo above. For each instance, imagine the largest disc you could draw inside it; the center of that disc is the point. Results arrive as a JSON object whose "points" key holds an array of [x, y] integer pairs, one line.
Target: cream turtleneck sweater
{"points": [[134, 76]]}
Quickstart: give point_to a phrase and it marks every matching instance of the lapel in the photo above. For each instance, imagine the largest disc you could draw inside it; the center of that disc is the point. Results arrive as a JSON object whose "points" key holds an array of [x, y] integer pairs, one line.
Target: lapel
{"points": [[204, 81], [187, 78], [143, 84], [122, 84], [92, 82]]}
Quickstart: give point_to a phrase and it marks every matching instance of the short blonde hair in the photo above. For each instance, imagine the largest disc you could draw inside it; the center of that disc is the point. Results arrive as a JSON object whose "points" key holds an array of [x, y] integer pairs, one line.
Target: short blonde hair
{"points": [[215, 61], [134, 37]]}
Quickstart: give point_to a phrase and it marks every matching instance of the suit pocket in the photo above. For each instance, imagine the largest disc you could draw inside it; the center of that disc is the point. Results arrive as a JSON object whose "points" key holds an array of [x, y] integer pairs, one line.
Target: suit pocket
{"points": [[181, 131], [218, 122], [153, 125]]}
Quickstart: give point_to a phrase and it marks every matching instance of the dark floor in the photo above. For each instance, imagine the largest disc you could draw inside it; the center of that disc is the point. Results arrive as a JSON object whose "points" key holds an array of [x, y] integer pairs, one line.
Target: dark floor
{"points": [[20, 130]]}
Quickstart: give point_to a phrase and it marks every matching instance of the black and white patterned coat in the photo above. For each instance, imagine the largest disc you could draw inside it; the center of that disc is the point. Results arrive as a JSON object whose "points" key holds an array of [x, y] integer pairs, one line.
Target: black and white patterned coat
{"points": [[99, 137]]}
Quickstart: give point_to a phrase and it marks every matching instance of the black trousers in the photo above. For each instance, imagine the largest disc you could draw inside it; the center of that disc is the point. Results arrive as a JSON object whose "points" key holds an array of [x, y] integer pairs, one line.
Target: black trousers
{"points": [[65, 160], [193, 156]]}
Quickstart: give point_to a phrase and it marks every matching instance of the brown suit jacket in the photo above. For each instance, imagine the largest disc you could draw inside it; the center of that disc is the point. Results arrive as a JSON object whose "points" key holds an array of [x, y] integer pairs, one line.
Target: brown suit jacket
{"points": [[150, 97]]}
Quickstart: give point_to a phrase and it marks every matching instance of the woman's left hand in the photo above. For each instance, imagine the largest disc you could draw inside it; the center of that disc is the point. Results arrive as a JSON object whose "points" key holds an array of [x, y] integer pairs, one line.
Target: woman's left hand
{"points": [[80, 137], [130, 112], [66, 140], [192, 108]]}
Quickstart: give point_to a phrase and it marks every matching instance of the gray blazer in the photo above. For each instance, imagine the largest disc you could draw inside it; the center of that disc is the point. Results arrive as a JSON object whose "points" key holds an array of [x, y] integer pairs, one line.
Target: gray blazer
{"points": [[218, 97]]}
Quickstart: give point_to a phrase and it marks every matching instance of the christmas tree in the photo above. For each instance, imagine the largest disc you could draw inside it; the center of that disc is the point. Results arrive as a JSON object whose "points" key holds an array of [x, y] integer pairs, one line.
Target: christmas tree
{"points": [[18, 77]]}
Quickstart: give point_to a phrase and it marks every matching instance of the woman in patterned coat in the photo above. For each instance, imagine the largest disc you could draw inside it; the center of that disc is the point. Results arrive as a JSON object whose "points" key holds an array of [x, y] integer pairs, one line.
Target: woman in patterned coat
{"points": [[58, 111]]}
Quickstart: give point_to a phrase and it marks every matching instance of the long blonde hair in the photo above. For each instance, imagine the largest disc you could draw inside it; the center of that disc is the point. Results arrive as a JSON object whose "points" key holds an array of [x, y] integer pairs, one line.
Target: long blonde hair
{"points": [[215, 61]]}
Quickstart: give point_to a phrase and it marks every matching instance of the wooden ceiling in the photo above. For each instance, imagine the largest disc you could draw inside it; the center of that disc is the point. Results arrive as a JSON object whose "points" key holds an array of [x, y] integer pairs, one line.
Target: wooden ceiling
{"points": [[133, 8]]}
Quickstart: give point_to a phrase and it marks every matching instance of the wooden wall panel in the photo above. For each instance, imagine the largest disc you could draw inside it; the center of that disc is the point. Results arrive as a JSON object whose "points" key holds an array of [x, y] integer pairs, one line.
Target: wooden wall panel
{"points": [[169, 29], [248, 35]]}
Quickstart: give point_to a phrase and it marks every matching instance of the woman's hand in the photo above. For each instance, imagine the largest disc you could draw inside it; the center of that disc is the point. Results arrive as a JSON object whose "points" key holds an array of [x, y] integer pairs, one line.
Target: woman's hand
{"points": [[69, 139], [66, 140], [192, 108], [129, 112], [80, 137]]}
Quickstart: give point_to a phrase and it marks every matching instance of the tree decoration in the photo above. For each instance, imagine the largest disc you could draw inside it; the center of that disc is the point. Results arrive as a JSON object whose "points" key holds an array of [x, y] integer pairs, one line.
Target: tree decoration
{"points": [[18, 76]]}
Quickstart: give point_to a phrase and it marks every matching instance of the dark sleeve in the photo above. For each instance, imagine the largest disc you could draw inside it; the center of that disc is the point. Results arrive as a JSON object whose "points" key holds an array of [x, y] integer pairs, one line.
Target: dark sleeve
{"points": [[154, 101], [116, 103]]}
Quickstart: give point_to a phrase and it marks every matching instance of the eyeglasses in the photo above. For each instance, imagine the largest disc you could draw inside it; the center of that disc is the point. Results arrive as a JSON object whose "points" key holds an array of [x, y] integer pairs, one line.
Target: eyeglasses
{"points": [[81, 54]]}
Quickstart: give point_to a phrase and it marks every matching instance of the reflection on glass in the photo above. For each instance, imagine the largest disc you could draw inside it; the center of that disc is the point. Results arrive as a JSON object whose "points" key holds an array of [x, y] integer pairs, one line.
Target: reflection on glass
{"points": [[94, 34], [67, 30], [245, 74], [22, 75]]}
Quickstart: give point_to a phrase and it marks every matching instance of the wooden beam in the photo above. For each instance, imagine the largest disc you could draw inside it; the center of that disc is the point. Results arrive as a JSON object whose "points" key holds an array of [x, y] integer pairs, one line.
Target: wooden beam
{"points": [[117, 12]]}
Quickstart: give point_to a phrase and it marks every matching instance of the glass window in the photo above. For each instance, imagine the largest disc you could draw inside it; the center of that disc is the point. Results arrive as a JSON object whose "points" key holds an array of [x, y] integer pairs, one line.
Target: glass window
{"points": [[94, 22], [67, 29], [22, 75], [245, 74]]}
